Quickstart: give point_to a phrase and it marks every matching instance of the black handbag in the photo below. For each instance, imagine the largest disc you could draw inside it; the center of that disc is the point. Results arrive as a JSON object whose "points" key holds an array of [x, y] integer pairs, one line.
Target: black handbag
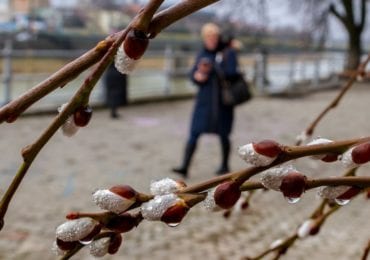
{"points": [[234, 91]]}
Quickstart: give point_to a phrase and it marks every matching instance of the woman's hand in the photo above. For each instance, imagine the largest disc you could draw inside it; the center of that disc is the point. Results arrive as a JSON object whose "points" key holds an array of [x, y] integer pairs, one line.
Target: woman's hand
{"points": [[200, 76], [204, 67]]}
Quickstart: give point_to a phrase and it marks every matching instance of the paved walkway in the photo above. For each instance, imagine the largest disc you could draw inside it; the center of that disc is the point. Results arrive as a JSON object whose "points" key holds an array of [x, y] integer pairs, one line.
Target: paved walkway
{"points": [[143, 145]]}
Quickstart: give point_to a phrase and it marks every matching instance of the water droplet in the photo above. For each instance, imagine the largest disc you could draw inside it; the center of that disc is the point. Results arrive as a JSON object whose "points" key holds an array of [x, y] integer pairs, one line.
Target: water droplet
{"points": [[292, 200], [173, 224], [85, 242], [342, 202]]}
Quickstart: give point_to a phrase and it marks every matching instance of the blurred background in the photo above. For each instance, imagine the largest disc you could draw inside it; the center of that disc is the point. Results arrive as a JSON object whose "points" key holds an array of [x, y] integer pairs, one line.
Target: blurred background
{"points": [[290, 52]]}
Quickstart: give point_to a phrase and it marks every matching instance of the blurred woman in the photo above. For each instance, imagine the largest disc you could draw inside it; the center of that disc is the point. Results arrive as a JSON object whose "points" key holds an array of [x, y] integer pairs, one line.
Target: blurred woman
{"points": [[210, 115]]}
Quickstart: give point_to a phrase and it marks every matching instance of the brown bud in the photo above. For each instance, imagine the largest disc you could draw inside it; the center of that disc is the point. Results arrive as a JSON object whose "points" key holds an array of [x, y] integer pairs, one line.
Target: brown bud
{"points": [[361, 153], [368, 193], [82, 116], [227, 194], [122, 223], [330, 157], [115, 243], [267, 148], [65, 245], [135, 44], [350, 193], [227, 213], [174, 214], [72, 215], [124, 191], [244, 205], [293, 185]]}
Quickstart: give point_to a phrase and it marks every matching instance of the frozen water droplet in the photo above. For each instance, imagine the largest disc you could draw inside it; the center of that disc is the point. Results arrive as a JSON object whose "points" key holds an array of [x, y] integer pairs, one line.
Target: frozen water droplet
{"points": [[173, 224], [123, 63], [342, 202], [292, 200], [85, 242]]}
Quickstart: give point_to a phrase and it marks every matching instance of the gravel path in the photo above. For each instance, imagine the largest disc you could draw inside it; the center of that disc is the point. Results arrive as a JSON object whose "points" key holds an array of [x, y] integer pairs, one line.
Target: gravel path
{"points": [[143, 145]]}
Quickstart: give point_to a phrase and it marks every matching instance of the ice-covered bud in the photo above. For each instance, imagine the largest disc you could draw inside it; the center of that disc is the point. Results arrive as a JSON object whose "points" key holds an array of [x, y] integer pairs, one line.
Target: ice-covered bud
{"points": [[356, 156], [209, 202], [117, 199], [82, 116], [105, 245], [227, 194], [323, 157], [331, 192], [77, 230], [69, 128], [349, 194], [272, 178], [260, 154], [308, 227], [293, 185], [156, 207], [165, 186], [122, 223], [175, 213], [130, 51]]}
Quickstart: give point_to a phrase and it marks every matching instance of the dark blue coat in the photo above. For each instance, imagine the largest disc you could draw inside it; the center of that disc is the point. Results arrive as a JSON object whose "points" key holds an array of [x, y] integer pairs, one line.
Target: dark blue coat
{"points": [[209, 114]]}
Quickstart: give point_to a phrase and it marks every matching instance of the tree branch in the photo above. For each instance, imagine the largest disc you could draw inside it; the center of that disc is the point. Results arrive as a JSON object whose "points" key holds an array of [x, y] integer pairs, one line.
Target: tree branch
{"points": [[363, 7]]}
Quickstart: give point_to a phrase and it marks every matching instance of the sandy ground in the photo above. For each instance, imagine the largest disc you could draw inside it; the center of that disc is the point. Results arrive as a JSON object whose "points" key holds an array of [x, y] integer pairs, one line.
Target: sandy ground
{"points": [[143, 145]]}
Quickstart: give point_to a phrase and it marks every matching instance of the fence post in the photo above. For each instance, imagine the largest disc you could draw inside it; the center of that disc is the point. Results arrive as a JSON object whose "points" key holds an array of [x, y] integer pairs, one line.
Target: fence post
{"points": [[7, 69], [168, 68]]}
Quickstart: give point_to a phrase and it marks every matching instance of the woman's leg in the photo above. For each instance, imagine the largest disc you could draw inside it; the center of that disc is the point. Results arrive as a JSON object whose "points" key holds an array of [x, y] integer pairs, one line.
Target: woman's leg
{"points": [[188, 154], [225, 145]]}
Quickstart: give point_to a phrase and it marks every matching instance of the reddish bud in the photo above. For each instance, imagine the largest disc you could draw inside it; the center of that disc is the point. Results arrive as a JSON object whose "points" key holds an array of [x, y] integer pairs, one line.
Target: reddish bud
{"points": [[227, 213], [350, 193], [72, 215], [135, 44], [122, 223], [293, 185], [361, 153], [227, 194], [268, 148], [92, 234], [175, 213], [315, 230], [65, 245], [330, 157], [368, 194], [82, 116], [11, 118], [244, 205], [114, 244], [124, 191]]}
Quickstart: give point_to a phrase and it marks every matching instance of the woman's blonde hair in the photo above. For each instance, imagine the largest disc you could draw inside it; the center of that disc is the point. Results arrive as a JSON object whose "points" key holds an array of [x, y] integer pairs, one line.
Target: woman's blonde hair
{"points": [[210, 29]]}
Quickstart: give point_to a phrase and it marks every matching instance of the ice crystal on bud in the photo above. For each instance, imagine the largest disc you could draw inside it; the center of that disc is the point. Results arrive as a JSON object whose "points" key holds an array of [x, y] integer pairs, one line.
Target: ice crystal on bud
{"points": [[99, 247], [123, 63], [316, 141], [276, 243], [305, 229], [272, 178], [332, 193], [108, 200], [209, 202], [74, 230], [56, 250], [165, 186], [69, 128], [249, 155], [156, 207], [347, 159]]}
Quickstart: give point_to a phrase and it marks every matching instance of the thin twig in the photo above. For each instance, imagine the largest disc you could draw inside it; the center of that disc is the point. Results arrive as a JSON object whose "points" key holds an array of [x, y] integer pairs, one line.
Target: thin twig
{"points": [[310, 129]]}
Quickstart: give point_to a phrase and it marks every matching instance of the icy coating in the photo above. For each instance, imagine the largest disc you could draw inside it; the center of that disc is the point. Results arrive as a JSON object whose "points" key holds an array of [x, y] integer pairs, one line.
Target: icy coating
{"points": [[108, 200], [272, 178], [69, 127], [332, 192], [305, 229], [76, 229], [164, 186], [99, 247], [319, 140], [347, 160], [302, 137], [209, 202], [123, 63], [248, 154], [155, 208]]}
